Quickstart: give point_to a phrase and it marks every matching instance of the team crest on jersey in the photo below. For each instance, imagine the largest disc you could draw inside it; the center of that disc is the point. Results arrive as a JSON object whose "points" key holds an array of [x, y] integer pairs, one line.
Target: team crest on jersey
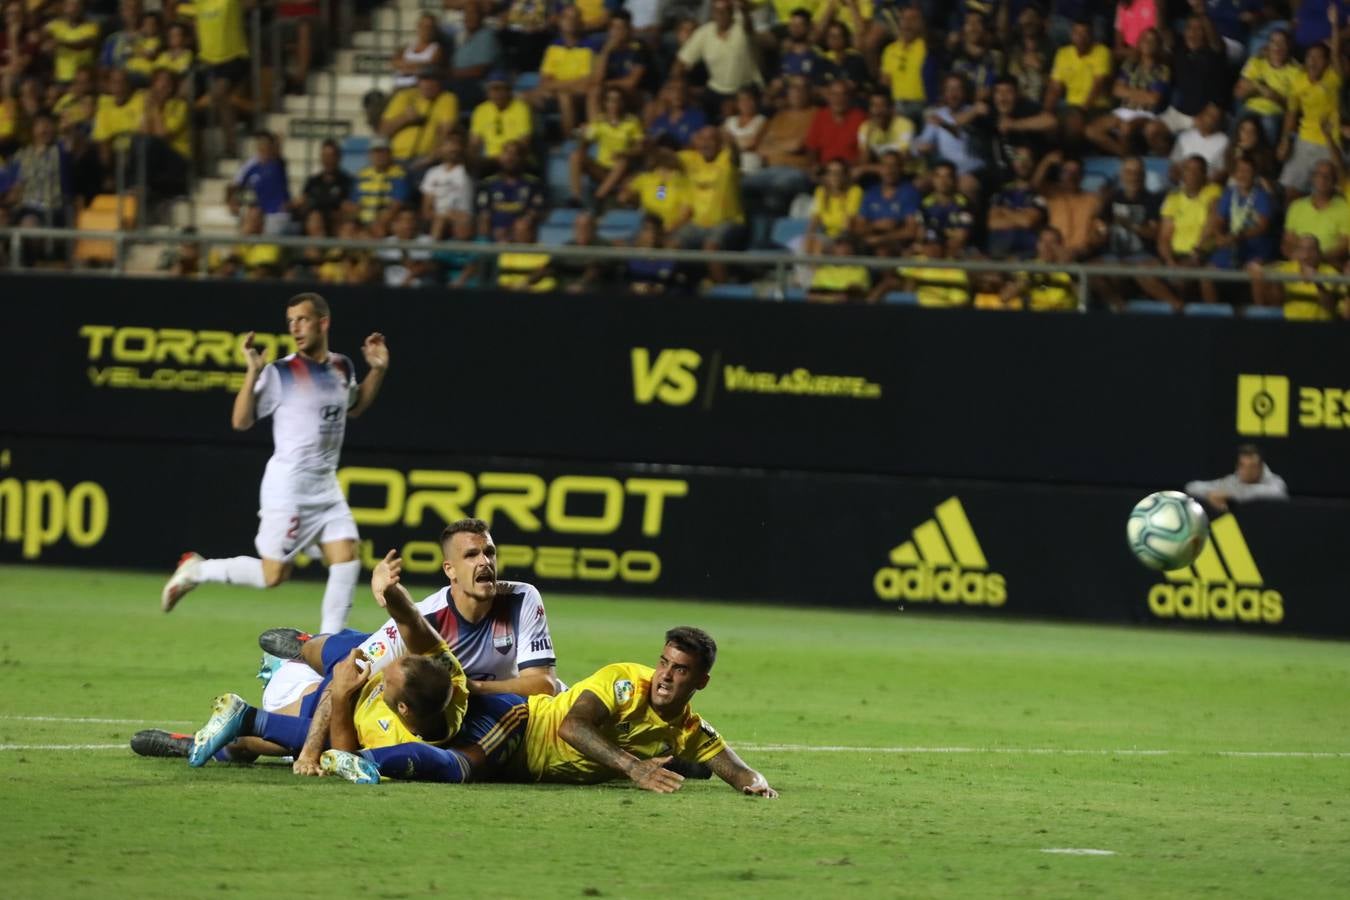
{"points": [[376, 650], [503, 638], [384, 724], [624, 727], [708, 729], [623, 691]]}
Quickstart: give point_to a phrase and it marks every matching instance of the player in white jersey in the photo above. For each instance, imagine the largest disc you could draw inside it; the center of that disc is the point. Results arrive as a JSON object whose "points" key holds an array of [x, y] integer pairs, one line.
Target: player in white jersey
{"points": [[309, 394]]}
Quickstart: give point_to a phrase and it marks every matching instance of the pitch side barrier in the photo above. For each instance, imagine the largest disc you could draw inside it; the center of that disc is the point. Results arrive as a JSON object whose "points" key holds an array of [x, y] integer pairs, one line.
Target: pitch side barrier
{"points": [[1097, 400], [866, 542]]}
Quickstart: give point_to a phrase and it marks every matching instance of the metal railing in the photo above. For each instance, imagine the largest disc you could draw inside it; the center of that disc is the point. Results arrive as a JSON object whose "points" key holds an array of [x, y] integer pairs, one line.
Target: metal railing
{"points": [[778, 263]]}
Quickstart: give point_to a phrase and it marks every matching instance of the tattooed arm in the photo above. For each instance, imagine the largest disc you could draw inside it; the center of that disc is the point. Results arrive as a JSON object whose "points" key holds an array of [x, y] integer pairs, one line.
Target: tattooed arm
{"points": [[581, 729], [730, 768]]}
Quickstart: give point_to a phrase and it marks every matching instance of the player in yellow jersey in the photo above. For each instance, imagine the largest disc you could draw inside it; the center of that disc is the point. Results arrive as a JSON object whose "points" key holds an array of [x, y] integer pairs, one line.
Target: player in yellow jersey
{"points": [[626, 720]]}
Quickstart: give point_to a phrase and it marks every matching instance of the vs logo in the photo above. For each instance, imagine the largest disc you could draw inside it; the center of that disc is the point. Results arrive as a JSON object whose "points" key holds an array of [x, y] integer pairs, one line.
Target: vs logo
{"points": [[670, 378]]}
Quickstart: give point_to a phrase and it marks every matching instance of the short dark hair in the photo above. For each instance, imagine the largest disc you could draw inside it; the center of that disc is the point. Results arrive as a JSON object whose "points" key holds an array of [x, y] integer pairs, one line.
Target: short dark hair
{"points": [[622, 14], [945, 164], [426, 688], [694, 641], [800, 12], [320, 304], [1006, 79], [466, 526], [329, 142], [1249, 450]]}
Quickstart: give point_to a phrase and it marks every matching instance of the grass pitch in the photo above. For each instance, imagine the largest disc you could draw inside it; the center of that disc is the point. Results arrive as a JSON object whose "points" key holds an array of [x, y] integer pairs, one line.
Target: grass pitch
{"points": [[916, 757]]}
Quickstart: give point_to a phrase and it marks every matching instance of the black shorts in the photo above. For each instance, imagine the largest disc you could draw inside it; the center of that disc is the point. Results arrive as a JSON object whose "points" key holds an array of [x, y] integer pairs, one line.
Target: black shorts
{"points": [[234, 71]]}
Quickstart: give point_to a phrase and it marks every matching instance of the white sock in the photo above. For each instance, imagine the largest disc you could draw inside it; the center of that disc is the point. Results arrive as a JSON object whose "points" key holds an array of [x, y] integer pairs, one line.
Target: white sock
{"points": [[337, 596], [235, 570]]}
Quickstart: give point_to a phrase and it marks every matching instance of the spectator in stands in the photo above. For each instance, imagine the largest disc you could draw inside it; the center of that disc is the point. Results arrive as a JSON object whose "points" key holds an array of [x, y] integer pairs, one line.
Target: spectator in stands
{"points": [[947, 212], [329, 190], [623, 63], [1029, 65], [78, 105], [1184, 215], [1134, 18], [423, 51], [1252, 480], [834, 205], [177, 54], [526, 34], [149, 43], [120, 46], [20, 49], [673, 115], [1070, 210], [888, 216], [1016, 212], [725, 47], [1205, 140], [163, 136], [1199, 78], [41, 192], [1312, 121], [787, 164], [381, 190], [1305, 301], [644, 275], [835, 283], [581, 275], [1080, 79], [796, 56], [1239, 227], [508, 197], [565, 73], [1011, 123], [407, 268], [310, 260], [1324, 214], [1127, 232], [497, 121], [949, 134], [907, 68], [1249, 142], [745, 128], [525, 271], [477, 52], [118, 117], [1267, 83], [1044, 291], [661, 191], [932, 283], [448, 193], [841, 60], [418, 120], [351, 266], [71, 40], [617, 137], [261, 181], [1141, 94], [974, 58], [717, 222], [252, 261], [833, 133], [881, 133], [223, 47]]}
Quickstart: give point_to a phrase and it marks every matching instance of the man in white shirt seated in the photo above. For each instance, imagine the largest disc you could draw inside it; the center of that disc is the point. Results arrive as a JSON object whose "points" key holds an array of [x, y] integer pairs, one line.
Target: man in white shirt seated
{"points": [[1253, 480]]}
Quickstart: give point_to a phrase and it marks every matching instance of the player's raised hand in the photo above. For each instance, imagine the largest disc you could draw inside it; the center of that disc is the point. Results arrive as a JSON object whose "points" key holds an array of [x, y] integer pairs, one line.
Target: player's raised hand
{"points": [[759, 787], [649, 775], [351, 674], [253, 359], [376, 351], [387, 573]]}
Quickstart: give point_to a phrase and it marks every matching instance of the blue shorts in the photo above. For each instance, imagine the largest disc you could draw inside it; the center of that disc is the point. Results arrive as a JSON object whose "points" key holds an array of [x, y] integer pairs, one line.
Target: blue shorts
{"points": [[335, 650], [495, 725]]}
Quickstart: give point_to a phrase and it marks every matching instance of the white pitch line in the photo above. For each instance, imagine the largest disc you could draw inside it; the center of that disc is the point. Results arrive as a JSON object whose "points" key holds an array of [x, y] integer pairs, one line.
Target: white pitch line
{"points": [[1041, 751], [11, 747], [1078, 851], [95, 721]]}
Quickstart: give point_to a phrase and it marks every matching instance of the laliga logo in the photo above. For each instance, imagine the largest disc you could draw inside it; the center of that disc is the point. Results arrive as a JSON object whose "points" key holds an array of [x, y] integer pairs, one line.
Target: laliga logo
{"points": [[943, 562], [1224, 588]]}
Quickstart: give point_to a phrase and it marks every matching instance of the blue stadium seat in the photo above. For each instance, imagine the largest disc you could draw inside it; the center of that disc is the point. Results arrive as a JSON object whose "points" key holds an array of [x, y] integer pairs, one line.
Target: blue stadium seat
{"points": [[1209, 310], [619, 224], [1148, 307], [903, 298], [1264, 312], [794, 295], [1257, 42], [554, 235], [1156, 171], [784, 230], [1108, 167], [1094, 182], [355, 149], [527, 81], [731, 292], [557, 177], [562, 216]]}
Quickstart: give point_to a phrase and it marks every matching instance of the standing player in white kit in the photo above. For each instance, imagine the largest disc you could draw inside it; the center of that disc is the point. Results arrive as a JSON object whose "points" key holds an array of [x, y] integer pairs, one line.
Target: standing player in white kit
{"points": [[309, 394]]}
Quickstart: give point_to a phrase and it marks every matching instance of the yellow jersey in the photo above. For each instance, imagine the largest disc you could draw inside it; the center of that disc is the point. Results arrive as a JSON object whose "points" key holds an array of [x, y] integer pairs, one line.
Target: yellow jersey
{"points": [[71, 110], [1189, 215], [903, 64], [515, 271], [1078, 73], [379, 726], [141, 63], [69, 59], [564, 63], [937, 286], [220, 31], [1280, 80], [835, 211], [420, 139], [714, 187], [624, 689], [841, 279], [664, 194], [495, 126], [593, 13], [613, 139], [1300, 297], [176, 124], [117, 123], [1316, 102], [1329, 224], [1050, 291]]}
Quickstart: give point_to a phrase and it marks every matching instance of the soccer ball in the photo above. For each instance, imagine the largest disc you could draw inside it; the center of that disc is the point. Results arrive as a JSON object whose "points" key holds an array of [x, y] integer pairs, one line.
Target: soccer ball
{"points": [[1167, 530]]}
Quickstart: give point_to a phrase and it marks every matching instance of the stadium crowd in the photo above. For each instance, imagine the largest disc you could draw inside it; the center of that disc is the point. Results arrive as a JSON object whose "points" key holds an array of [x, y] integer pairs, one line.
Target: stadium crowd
{"points": [[1204, 134]]}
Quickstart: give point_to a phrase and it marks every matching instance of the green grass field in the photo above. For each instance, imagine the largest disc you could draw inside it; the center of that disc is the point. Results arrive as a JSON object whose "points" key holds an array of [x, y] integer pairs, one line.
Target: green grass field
{"points": [[1052, 719]]}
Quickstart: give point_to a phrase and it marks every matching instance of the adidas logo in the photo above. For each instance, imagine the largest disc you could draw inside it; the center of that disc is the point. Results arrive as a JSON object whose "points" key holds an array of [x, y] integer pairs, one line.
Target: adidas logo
{"points": [[1223, 583], [943, 562]]}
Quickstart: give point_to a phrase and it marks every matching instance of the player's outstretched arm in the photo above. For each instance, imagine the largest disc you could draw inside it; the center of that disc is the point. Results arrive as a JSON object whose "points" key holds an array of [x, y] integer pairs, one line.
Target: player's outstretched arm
{"points": [[316, 741], [581, 729], [245, 409], [376, 352], [534, 680], [732, 769], [417, 633], [349, 676]]}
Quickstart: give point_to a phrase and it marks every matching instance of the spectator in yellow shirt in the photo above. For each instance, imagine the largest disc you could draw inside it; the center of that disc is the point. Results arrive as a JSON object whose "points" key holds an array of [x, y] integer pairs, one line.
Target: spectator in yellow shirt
{"points": [[223, 47], [163, 135], [905, 63], [839, 283], [833, 205], [418, 120], [117, 119], [1080, 79], [717, 222], [661, 191], [565, 73], [71, 40], [617, 137], [499, 120], [1309, 300], [1184, 215], [1312, 123], [1044, 291]]}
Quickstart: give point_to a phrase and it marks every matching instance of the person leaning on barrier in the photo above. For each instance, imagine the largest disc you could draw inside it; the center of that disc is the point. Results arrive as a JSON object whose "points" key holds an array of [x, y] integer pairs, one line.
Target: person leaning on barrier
{"points": [[1252, 480]]}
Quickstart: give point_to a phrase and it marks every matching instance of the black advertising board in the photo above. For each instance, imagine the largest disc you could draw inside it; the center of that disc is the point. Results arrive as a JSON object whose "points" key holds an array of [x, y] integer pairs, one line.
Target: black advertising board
{"points": [[1088, 400], [830, 540]]}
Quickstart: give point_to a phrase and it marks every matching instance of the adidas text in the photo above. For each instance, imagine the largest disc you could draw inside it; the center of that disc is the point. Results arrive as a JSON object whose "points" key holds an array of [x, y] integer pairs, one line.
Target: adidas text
{"points": [[946, 584], [1223, 601]]}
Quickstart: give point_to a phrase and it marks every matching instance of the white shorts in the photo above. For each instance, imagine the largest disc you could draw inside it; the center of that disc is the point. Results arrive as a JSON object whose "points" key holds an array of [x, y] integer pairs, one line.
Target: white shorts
{"points": [[1129, 115], [284, 532], [289, 683], [1176, 120]]}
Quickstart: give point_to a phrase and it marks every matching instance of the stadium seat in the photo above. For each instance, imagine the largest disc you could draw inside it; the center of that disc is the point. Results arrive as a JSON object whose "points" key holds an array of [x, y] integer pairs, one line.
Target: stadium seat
{"points": [[1106, 167], [557, 175], [1209, 310], [1257, 42], [785, 230], [1148, 307], [1094, 182], [1156, 173], [794, 294], [731, 292], [1264, 312], [619, 224], [526, 81], [554, 235], [902, 298], [562, 216], [355, 150]]}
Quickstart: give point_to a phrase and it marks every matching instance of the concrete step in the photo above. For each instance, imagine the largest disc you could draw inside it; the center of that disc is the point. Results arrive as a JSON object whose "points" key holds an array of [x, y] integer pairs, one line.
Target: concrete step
{"points": [[280, 123], [349, 85], [385, 40], [212, 218]]}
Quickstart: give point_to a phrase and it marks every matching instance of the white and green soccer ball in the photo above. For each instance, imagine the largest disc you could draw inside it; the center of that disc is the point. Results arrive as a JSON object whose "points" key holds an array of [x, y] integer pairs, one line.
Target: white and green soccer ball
{"points": [[1167, 530]]}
